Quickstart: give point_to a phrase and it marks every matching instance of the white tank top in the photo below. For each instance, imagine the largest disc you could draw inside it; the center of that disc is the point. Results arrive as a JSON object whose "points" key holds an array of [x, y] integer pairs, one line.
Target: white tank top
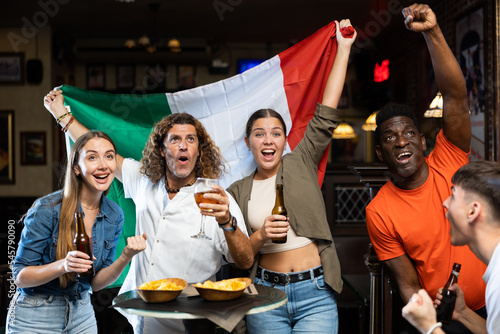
{"points": [[260, 206]]}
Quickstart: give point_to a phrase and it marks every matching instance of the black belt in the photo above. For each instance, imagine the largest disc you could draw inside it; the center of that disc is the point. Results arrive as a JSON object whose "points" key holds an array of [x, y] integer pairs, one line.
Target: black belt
{"points": [[281, 278]]}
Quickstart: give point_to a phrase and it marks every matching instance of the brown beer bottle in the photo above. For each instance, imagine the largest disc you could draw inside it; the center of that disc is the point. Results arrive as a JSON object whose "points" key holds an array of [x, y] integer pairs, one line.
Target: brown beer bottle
{"points": [[83, 243], [279, 209], [445, 309]]}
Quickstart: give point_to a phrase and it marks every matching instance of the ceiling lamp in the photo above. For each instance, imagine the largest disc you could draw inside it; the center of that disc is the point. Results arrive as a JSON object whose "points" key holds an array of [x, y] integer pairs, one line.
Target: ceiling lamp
{"points": [[174, 45], [343, 131], [151, 48], [144, 40], [130, 43], [436, 107], [370, 123]]}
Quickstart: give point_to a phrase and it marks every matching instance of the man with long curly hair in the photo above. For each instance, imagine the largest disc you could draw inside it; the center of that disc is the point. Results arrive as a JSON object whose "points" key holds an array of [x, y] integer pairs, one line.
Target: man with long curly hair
{"points": [[178, 151]]}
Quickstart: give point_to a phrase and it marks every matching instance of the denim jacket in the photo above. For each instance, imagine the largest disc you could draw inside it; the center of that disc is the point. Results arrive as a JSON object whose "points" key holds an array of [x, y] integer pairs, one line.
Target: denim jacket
{"points": [[39, 242]]}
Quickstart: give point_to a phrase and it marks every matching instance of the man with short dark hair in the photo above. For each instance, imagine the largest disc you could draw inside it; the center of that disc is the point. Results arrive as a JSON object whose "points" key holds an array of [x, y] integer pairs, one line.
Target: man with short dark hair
{"points": [[474, 215], [406, 220]]}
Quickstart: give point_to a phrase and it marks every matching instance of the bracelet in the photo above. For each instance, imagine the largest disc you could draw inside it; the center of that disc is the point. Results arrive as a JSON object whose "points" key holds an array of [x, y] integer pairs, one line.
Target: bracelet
{"points": [[233, 225], [229, 220], [64, 129], [439, 324], [60, 118]]}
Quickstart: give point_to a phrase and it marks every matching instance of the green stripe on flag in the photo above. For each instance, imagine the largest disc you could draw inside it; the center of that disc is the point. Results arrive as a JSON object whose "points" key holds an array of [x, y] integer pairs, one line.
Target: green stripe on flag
{"points": [[128, 120], [131, 116]]}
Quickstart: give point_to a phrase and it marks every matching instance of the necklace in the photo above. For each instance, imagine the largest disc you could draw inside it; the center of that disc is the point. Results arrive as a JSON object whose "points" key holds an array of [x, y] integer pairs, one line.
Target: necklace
{"points": [[89, 208], [176, 190]]}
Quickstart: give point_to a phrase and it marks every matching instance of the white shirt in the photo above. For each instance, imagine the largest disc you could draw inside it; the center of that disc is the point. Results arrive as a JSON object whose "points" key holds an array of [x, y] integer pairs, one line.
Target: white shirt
{"points": [[169, 225], [492, 279]]}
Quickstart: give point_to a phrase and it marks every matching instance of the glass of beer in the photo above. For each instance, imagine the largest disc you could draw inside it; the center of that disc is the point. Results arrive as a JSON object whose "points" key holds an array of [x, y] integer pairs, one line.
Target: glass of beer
{"points": [[203, 186]]}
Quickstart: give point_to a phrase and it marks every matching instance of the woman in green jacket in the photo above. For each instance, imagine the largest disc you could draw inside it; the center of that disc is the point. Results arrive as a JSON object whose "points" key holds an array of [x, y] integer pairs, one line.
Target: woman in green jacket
{"points": [[306, 267]]}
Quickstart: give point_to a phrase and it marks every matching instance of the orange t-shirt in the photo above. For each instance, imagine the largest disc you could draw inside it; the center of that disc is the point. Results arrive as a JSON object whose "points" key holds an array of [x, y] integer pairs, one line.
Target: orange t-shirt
{"points": [[414, 222]]}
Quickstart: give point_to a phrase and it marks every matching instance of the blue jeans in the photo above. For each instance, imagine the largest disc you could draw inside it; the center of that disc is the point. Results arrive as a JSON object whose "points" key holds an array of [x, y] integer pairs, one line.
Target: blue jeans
{"points": [[311, 308], [50, 314]]}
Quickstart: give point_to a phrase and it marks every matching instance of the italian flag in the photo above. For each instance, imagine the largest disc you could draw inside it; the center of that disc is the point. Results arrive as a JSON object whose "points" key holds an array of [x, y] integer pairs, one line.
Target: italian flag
{"points": [[291, 83]]}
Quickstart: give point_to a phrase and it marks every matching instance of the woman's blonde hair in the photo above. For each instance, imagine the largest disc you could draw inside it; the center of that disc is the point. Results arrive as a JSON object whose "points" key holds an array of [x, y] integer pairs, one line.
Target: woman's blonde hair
{"points": [[71, 201]]}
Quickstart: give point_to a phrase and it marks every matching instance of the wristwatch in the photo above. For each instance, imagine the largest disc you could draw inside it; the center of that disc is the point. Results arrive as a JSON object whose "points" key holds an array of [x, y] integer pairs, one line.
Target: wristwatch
{"points": [[233, 224]]}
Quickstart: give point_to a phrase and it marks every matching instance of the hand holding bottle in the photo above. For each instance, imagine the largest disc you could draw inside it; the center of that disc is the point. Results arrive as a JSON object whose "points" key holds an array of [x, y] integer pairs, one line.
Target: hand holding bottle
{"points": [[77, 262], [275, 226], [460, 305], [83, 245], [279, 209], [447, 305]]}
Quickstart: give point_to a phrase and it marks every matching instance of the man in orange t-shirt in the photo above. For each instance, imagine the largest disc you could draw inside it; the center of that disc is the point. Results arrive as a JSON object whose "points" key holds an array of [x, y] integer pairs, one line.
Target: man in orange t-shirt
{"points": [[406, 220]]}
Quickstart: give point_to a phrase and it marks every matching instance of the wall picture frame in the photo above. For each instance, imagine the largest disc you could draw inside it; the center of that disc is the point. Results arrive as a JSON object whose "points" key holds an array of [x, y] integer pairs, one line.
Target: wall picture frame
{"points": [[33, 148], [7, 165], [96, 76], [186, 76], [12, 68], [156, 78], [353, 150], [125, 76], [470, 46]]}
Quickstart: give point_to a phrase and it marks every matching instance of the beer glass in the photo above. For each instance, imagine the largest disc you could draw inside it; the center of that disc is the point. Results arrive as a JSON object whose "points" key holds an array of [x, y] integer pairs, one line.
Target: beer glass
{"points": [[201, 187]]}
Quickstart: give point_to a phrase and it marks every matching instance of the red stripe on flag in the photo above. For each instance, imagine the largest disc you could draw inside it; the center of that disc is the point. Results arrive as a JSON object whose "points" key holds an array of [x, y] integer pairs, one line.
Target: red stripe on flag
{"points": [[305, 68]]}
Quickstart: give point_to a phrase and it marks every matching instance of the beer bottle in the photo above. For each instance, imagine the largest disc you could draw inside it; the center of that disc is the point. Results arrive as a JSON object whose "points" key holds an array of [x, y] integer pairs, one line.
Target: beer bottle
{"points": [[83, 243], [279, 209], [445, 309]]}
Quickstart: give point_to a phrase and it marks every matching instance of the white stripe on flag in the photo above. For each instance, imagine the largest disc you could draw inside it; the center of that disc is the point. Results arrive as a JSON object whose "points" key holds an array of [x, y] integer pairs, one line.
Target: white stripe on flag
{"points": [[225, 106]]}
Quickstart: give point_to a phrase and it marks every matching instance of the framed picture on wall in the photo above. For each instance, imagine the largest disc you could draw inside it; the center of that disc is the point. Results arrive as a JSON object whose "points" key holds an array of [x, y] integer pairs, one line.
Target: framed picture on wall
{"points": [[156, 78], [12, 68], [470, 55], [96, 76], [125, 76], [350, 148], [33, 148], [186, 76], [7, 166]]}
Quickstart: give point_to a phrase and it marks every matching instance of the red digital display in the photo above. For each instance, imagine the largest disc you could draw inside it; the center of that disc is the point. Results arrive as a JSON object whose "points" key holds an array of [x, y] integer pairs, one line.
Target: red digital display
{"points": [[381, 72]]}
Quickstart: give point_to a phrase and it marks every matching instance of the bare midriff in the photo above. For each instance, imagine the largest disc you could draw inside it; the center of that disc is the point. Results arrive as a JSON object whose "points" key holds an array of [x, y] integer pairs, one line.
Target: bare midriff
{"points": [[294, 260]]}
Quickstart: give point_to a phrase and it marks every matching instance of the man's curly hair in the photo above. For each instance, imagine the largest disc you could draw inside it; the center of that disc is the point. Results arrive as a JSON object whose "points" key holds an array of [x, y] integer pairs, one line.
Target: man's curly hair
{"points": [[210, 163]]}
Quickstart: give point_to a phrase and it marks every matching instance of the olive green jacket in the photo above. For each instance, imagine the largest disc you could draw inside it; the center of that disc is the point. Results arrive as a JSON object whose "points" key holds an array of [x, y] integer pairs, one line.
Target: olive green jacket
{"points": [[302, 195]]}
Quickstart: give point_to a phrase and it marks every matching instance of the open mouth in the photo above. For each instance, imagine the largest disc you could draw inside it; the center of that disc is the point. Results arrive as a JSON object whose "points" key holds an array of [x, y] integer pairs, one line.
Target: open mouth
{"points": [[183, 160], [268, 154], [102, 177], [404, 157]]}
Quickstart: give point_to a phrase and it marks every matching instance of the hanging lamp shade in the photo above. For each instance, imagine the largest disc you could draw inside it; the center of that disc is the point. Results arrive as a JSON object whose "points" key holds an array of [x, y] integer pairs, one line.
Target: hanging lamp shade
{"points": [[174, 45], [130, 43], [144, 40], [151, 48], [344, 131], [370, 123], [436, 107]]}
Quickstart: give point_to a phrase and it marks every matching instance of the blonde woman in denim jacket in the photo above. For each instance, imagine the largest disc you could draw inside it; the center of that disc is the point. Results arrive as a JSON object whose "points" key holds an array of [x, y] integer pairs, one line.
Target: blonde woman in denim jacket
{"points": [[50, 296]]}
